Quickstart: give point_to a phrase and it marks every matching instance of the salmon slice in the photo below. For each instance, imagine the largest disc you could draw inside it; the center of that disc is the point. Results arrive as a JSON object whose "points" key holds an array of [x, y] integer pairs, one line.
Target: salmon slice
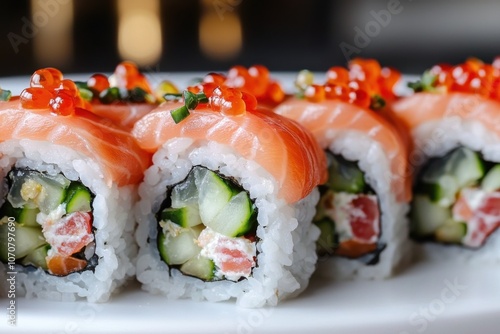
{"points": [[123, 114], [62, 265], [70, 234], [121, 159], [425, 107], [331, 118], [281, 146]]}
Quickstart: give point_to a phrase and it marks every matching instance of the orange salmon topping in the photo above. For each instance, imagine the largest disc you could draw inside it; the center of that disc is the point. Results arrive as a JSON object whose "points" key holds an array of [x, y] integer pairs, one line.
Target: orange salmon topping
{"points": [[473, 76], [364, 83]]}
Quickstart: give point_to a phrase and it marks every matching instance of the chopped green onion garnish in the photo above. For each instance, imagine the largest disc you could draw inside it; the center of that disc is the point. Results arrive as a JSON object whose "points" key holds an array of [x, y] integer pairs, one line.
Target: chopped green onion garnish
{"points": [[426, 84], [86, 94], [377, 102], [179, 114], [110, 95], [5, 95], [172, 97], [202, 98], [190, 100], [137, 94], [81, 84]]}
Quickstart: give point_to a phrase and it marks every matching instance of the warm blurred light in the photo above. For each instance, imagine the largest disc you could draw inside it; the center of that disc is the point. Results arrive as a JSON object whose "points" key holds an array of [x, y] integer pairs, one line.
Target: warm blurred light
{"points": [[52, 24], [220, 35], [139, 31]]}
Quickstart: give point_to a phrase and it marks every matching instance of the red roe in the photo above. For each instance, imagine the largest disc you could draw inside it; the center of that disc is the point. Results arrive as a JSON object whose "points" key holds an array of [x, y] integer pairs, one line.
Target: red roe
{"points": [[255, 80], [48, 89], [128, 76], [226, 100], [362, 81], [98, 83], [473, 76]]}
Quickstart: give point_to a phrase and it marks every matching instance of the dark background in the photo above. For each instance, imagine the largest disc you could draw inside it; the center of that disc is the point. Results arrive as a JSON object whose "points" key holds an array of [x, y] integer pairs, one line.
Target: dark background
{"points": [[285, 35]]}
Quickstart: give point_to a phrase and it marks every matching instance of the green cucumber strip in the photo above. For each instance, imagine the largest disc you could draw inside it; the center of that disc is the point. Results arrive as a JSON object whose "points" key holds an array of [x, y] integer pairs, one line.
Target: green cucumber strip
{"points": [[187, 216], [78, 198], [326, 243], [37, 258], [25, 240], [236, 218], [200, 267], [185, 193], [427, 216], [24, 217], [491, 181], [179, 249], [451, 232], [214, 193], [27, 217], [324, 203], [345, 176], [52, 189], [469, 168], [459, 168]]}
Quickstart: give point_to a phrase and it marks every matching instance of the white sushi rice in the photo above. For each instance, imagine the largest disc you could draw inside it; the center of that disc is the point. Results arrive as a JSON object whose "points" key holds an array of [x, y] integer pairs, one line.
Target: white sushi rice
{"points": [[436, 138], [113, 221], [286, 247], [372, 160]]}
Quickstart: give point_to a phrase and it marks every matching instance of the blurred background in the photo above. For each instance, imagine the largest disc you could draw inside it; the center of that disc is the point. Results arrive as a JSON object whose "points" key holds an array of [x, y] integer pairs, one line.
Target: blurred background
{"points": [[208, 35]]}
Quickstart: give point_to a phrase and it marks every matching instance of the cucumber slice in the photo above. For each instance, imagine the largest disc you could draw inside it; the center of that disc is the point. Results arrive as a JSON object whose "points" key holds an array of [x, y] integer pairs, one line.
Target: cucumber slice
{"points": [[451, 232], [185, 193], [427, 216], [24, 217], [327, 241], [200, 267], [25, 240], [345, 176], [443, 192], [459, 168], [187, 216], [46, 192], [27, 217], [37, 258], [491, 181], [175, 250], [78, 198], [236, 218], [214, 194]]}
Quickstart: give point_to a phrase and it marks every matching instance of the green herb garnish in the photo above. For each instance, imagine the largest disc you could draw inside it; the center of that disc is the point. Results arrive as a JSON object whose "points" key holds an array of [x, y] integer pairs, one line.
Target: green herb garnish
{"points": [[377, 102], [425, 84], [5, 95], [110, 95], [191, 101]]}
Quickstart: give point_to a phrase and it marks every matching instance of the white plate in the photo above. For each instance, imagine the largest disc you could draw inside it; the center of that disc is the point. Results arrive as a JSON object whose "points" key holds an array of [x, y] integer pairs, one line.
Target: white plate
{"points": [[426, 298]]}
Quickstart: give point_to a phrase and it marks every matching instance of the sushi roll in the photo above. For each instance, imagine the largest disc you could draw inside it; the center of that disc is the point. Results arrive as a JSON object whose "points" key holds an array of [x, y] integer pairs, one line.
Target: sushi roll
{"points": [[68, 184], [454, 119], [125, 96], [225, 210], [363, 204]]}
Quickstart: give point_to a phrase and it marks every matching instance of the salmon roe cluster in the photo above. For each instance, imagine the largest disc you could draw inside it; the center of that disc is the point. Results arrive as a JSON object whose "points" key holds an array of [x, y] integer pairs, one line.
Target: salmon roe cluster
{"points": [[227, 100], [255, 80], [362, 83], [48, 89], [473, 76], [127, 83]]}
